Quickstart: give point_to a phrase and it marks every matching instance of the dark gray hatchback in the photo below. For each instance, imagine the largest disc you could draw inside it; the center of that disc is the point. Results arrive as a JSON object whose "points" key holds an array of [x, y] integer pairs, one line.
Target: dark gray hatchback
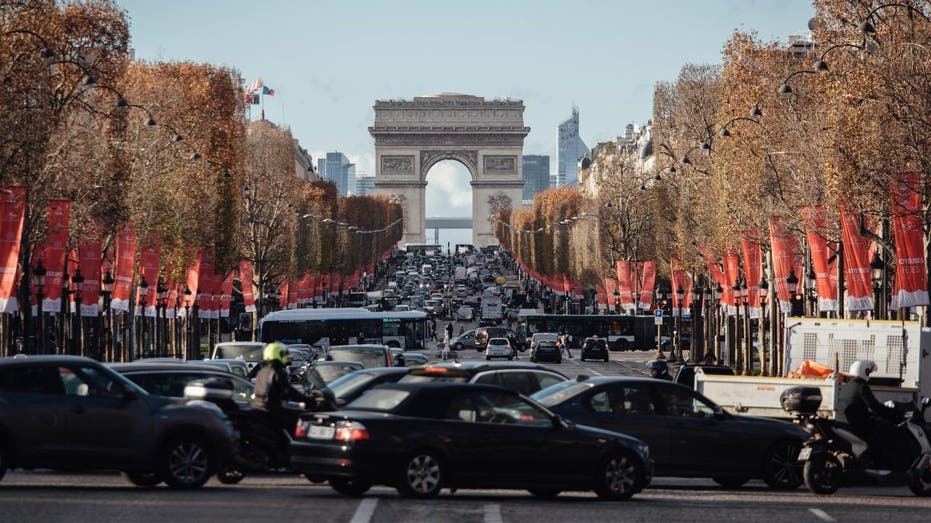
{"points": [[68, 412]]}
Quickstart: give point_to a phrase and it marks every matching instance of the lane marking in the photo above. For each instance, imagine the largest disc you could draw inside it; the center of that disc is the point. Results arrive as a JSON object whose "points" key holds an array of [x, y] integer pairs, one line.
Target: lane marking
{"points": [[365, 511], [822, 515], [493, 514]]}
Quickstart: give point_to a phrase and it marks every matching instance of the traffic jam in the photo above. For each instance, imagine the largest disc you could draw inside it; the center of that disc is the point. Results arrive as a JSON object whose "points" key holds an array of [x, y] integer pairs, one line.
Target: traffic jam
{"points": [[451, 373]]}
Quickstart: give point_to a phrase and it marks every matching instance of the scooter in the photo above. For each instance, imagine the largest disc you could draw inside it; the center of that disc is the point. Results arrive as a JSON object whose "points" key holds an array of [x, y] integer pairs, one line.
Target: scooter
{"points": [[835, 456], [262, 445]]}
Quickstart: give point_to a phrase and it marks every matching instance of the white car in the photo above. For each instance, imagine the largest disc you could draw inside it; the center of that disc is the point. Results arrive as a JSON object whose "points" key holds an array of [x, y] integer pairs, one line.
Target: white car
{"points": [[465, 313], [499, 348]]}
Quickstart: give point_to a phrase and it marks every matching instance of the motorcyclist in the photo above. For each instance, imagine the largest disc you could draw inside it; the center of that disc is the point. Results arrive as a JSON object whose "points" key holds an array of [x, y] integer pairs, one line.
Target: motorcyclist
{"points": [[659, 369], [869, 419], [273, 386]]}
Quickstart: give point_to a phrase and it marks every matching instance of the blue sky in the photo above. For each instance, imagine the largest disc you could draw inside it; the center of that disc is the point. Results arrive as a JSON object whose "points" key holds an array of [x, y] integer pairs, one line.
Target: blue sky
{"points": [[330, 60]]}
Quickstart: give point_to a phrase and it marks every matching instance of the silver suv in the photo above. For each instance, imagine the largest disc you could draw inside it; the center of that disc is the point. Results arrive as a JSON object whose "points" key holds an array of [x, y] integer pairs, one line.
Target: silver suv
{"points": [[68, 412], [499, 348]]}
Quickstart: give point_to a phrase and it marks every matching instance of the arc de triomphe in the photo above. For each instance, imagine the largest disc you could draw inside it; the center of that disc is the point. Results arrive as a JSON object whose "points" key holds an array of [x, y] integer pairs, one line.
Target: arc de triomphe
{"points": [[487, 136]]}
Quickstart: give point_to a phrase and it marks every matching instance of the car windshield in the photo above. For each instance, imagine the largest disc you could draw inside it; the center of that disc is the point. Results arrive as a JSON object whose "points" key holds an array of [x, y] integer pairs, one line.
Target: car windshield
{"points": [[323, 374], [556, 394], [241, 352], [367, 357], [379, 399]]}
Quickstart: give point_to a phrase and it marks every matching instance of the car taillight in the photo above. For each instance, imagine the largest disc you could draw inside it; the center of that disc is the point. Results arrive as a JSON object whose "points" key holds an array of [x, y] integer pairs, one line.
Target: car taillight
{"points": [[300, 430], [351, 431]]}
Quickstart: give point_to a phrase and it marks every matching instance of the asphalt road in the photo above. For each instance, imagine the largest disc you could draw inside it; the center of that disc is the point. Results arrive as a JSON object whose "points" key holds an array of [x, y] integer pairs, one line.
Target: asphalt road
{"points": [[51, 497]]}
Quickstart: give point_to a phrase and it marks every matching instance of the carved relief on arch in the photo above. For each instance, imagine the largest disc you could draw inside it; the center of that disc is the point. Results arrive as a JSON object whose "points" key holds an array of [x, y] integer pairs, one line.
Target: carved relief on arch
{"points": [[430, 158]]}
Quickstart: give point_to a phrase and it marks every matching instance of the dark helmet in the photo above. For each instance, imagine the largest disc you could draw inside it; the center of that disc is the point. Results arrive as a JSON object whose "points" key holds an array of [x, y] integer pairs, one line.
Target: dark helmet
{"points": [[658, 368]]}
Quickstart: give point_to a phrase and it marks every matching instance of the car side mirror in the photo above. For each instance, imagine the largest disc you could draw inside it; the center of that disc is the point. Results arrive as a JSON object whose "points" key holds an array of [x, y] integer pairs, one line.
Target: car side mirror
{"points": [[720, 413], [129, 395], [560, 423]]}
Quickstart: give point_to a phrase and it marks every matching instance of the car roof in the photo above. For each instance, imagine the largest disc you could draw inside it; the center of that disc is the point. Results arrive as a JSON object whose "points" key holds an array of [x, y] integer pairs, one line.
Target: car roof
{"points": [[22, 359], [474, 367], [134, 367], [337, 362], [599, 380], [446, 385]]}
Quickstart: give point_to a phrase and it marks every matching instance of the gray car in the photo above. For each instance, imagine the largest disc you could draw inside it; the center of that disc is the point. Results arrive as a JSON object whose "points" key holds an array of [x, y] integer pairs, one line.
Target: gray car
{"points": [[466, 340], [68, 412]]}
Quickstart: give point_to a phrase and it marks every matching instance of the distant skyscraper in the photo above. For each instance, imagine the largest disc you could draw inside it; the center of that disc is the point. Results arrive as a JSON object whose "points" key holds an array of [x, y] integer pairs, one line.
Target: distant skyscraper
{"points": [[365, 185], [571, 149], [339, 170], [536, 174]]}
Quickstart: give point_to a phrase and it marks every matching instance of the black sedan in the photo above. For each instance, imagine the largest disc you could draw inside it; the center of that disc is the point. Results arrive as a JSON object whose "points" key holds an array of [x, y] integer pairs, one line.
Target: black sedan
{"points": [[545, 351], [688, 435], [422, 437], [594, 349]]}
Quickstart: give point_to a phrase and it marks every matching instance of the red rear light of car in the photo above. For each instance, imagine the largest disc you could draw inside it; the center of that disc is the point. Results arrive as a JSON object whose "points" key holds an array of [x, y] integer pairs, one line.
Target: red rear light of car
{"points": [[351, 431], [435, 370], [300, 430]]}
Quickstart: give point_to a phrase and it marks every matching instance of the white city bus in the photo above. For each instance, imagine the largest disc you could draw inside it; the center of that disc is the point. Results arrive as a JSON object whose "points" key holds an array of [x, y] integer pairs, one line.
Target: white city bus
{"points": [[325, 327]]}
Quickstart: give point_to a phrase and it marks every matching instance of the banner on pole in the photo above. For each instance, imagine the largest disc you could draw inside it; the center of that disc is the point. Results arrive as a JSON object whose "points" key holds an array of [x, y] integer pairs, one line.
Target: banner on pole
{"points": [[56, 244], [89, 261], [856, 264], [246, 284], [825, 279], [12, 215], [911, 280]]}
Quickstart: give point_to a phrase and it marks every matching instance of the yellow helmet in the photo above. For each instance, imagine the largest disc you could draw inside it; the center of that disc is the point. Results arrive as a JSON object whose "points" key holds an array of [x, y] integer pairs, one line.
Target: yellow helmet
{"points": [[275, 351]]}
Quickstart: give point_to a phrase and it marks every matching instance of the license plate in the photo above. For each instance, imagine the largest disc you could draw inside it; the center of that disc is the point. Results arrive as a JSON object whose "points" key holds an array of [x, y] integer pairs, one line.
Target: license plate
{"points": [[321, 432], [804, 454]]}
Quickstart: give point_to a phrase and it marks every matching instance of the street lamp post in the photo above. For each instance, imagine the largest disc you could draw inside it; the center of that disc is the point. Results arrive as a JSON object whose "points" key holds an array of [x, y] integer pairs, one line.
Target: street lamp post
{"points": [[105, 319], [62, 343], [761, 331], [143, 293], [161, 318], [878, 270], [77, 335], [38, 275], [187, 322]]}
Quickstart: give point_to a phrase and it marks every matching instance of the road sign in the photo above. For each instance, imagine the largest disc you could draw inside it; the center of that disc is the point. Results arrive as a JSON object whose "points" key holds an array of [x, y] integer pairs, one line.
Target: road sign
{"points": [[658, 317]]}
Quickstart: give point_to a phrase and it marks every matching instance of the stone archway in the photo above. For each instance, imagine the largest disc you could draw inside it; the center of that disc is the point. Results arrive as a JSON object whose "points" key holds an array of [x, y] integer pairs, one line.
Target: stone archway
{"points": [[487, 136]]}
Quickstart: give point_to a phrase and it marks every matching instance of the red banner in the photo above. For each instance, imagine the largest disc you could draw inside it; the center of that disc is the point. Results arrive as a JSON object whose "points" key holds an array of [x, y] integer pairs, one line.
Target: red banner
{"points": [[624, 284], [226, 295], [246, 284], [205, 292], [856, 264], [647, 282], [283, 296], [783, 262], [825, 277], [753, 270], [89, 261], [125, 260], [911, 279], [12, 214], [731, 278], [56, 244]]}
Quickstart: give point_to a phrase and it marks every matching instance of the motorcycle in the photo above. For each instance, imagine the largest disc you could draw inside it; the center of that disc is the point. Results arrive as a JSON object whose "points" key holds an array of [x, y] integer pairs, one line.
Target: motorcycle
{"points": [[262, 445], [834, 456]]}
